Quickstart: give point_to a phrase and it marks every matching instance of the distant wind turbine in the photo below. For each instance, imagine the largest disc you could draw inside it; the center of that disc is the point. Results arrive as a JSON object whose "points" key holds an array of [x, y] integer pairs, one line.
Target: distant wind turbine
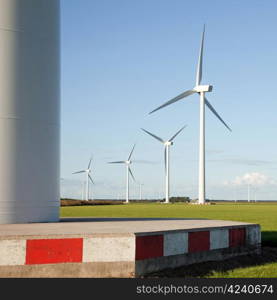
{"points": [[201, 90], [167, 145], [140, 190], [87, 171], [128, 170]]}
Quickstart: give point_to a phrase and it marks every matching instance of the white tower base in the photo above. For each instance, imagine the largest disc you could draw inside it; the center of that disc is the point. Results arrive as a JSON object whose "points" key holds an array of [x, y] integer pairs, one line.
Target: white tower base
{"points": [[29, 111]]}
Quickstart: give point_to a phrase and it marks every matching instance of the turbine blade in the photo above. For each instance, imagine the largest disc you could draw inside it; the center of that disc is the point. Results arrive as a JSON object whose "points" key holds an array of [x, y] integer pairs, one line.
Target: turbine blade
{"points": [[174, 136], [214, 111], [154, 136], [117, 162], [143, 161], [200, 60], [131, 152], [79, 172], [131, 174], [179, 97], [89, 163], [90, 178]]}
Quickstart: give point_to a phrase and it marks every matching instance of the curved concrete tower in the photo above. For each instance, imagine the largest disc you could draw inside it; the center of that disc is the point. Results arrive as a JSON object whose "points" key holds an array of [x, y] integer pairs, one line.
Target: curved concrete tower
{"points": [[29, 111]]}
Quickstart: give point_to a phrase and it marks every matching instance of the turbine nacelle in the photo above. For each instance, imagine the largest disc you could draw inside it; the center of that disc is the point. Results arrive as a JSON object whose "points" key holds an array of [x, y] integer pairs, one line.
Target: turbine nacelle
{"points": [[168, 143], [128, 162], [203, 88]]}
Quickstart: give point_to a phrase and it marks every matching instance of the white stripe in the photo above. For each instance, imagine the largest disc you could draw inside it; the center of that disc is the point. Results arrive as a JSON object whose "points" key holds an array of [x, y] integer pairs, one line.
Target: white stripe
{"points": [[12, 252], [175, 243], [253, 235], [219, 238], [108, 249]]}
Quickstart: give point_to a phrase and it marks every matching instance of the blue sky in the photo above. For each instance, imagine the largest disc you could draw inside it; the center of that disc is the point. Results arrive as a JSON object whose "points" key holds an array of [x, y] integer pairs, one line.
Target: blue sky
{"points": [[121, 59]]}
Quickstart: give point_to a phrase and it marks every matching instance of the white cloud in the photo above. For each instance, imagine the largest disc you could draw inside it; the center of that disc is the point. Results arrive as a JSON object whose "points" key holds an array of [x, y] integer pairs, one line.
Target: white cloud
{"points": [[255, 178]]}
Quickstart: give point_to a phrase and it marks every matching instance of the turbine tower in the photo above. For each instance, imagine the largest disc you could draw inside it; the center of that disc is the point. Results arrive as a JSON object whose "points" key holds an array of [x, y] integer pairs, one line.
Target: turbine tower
{"points": [[30, 111], [201, 90], [167, 145], [128, 170], [87, 171]]}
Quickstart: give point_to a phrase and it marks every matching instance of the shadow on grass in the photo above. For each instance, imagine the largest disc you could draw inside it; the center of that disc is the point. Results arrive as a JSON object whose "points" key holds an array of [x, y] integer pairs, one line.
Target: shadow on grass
{"points": [[269, 238]]}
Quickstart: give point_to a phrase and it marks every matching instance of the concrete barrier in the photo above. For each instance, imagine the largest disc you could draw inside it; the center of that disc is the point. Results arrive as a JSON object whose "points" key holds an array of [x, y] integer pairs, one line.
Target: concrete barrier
{"points": [[120, 254]]}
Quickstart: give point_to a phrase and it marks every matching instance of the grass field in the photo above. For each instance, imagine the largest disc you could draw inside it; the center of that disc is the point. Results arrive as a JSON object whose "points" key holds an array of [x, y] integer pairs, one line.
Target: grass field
{"points": [[264, 214]]}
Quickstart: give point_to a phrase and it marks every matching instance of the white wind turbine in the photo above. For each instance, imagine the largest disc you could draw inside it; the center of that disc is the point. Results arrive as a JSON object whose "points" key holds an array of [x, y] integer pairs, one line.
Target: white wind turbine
{"points": [[140, 190], [201, 90], [87, 171], [128, 170], [167, 145]]}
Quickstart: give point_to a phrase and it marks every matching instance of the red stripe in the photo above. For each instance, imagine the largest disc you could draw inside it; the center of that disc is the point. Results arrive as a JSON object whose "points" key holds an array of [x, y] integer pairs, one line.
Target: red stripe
{"points": [[149, 246], [236, 237], [199, 241], [49, 251]]}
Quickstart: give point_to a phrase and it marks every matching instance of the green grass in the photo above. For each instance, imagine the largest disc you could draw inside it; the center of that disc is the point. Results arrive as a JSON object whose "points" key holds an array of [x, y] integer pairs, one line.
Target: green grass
{"points": [[264, 214], [264, 271]]}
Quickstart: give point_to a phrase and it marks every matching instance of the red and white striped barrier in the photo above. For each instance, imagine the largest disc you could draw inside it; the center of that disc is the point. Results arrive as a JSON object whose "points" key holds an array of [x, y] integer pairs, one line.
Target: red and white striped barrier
{"points": [[128, 248]]}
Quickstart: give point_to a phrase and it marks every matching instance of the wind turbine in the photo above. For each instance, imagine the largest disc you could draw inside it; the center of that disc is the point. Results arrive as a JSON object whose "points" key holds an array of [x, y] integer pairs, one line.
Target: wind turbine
{"points": [[128, 170], [201, 90], [167, 145], [248, 191], [87, 171], [140, 190]]}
